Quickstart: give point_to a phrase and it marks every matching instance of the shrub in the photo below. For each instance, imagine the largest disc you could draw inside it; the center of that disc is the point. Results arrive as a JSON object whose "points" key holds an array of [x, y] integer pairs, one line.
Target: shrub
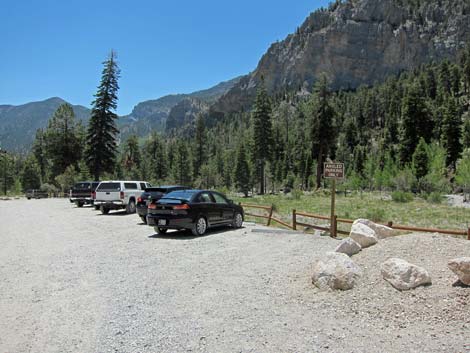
{"points": [[402, 196], [296, 194], [434, 197], [376, 215]]}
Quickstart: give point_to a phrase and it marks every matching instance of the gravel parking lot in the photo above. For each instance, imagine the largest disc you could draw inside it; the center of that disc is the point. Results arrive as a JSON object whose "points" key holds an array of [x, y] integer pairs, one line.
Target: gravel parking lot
{"points": [[76, 281]]}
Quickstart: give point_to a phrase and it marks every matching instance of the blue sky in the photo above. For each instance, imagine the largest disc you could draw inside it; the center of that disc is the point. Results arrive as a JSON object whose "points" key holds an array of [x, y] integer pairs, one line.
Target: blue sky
{"points": [[55, 48]]}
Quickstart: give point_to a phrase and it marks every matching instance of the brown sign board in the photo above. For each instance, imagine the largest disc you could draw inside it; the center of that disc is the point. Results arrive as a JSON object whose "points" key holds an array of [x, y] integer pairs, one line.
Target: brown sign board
{"points": [[333, 170]]}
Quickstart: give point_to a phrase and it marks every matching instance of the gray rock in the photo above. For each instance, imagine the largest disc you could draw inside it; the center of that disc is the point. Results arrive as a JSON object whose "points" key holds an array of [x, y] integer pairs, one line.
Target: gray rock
{"points": [[335, 271], [363, 235], [349, 247], [404, 276], [381, 231], [461, 267]]}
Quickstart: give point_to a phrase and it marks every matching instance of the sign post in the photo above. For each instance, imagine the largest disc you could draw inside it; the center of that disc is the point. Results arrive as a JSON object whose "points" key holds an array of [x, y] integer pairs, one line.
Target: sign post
{"points": [[333, 171]]}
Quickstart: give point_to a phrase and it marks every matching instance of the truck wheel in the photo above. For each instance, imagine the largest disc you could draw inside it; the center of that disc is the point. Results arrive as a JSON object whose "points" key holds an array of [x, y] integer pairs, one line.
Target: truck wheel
{"points": [[130, 208], [79, 204], [160, 230], [97, 207], [104, 210]]}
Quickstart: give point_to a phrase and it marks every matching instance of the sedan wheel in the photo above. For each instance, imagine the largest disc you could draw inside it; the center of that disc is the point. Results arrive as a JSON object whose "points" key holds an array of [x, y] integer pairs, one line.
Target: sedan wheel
{"points": [[160, 230], [238, 220], [200, 227]]}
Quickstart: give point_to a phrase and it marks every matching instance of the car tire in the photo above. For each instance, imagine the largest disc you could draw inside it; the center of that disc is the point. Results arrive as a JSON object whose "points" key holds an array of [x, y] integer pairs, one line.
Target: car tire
{"points": [[104, 210], [79, 204], [237, 220], [160, 230], [200, 227], [144, 219], [130, 208], [97, 207]]}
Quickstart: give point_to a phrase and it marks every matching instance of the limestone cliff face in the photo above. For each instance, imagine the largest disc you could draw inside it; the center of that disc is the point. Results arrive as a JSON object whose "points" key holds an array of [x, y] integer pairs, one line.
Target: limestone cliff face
{"points": [[183, 115], [357, 42]]}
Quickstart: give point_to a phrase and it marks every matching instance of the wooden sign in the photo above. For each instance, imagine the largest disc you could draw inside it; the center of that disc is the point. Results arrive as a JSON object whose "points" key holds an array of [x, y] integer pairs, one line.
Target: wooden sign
{"points": [[333, 171]]}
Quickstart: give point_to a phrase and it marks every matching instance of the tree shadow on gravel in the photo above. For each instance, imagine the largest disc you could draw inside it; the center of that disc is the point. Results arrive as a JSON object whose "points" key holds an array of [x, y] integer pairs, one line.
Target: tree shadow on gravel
{"points": [[460, 284], [187, 235]]}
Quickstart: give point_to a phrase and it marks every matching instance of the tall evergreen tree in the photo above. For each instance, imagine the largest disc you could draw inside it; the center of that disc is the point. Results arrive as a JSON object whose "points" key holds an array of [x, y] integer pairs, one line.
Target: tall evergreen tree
{"points": [[242, 171], [415, 123], [451, 132], [30, 175], [262, 133], [101, 135], [420, 160], [322, 130], [155, 158], [39, 151], [131, 158], [62, 140], [182, 164], [200, 144]]}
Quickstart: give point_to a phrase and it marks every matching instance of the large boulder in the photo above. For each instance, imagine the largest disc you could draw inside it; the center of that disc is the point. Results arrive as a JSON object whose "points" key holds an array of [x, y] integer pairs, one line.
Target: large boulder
{"points": [[461, 267], [404, 276], [335, 271], [381, 231], [349, 247], [363, 235]]}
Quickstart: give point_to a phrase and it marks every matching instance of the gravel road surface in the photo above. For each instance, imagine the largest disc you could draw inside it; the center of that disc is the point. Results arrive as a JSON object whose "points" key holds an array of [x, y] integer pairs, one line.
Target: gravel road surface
{"points": [[73, 280]]}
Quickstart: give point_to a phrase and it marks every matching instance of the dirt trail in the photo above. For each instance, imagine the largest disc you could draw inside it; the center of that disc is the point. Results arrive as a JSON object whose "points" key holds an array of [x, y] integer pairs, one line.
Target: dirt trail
{"points": [[76, 281]]}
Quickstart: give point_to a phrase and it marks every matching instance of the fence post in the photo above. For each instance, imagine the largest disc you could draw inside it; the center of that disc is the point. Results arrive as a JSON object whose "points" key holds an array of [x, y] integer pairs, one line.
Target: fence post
{"points": [[468, 233], [390, 224], [335, 226], [294, 220], [270, 215]]}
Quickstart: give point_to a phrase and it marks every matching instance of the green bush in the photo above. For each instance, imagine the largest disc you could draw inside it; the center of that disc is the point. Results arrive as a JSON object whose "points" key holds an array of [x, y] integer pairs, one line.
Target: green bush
{"points": [[376, 215], [434, 197], [402, 196], [297, 194]]}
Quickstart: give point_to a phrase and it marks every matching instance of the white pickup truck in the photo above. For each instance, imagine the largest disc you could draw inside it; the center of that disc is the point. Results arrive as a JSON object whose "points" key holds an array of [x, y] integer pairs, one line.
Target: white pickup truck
{"points": [[116, 195]]}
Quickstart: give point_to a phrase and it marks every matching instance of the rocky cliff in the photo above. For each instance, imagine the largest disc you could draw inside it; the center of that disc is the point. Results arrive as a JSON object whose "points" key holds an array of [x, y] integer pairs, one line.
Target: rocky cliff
{"points": [[357, 42]]}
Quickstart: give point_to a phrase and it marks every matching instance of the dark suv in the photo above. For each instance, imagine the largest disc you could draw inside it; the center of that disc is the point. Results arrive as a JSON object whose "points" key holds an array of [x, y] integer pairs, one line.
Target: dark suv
{"points": [[82, 193], [195, 210], [153, 194]]}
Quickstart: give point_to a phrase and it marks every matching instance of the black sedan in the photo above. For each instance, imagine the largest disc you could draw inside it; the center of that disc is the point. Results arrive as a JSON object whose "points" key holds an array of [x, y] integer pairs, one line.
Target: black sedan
{"points": [[195, 210], [154, 194]]}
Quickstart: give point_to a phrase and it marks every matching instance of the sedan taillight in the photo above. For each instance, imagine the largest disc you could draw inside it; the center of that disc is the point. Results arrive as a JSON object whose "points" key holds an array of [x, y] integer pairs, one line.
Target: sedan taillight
{"points": [[181, 207], [152, 206]]}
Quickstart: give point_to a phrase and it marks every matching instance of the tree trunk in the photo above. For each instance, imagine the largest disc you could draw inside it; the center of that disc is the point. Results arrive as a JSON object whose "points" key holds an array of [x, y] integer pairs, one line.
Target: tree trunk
{"points": [[261, 171]]}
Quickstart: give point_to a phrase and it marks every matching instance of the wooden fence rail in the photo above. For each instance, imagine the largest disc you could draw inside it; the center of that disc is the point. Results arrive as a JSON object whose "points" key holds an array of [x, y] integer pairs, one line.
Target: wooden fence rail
{"points": [[334, 229]]}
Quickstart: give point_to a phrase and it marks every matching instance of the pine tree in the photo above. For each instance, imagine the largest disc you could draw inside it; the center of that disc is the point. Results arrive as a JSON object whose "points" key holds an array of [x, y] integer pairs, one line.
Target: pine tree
{"points": [[31, 174], [131, 158], [322, 130], [40, 153], [155, 158], [62, 140], [181, 164], [451, 132], [262, 133], [415, 123], [466, 133], [420, 160], [101, 135], [200, 144], [242, 171]]}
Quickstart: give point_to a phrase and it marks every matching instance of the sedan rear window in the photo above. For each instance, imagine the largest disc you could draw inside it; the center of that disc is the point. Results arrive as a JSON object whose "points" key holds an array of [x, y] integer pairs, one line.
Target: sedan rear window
{"points": [[109, 187], [185, 195]]}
